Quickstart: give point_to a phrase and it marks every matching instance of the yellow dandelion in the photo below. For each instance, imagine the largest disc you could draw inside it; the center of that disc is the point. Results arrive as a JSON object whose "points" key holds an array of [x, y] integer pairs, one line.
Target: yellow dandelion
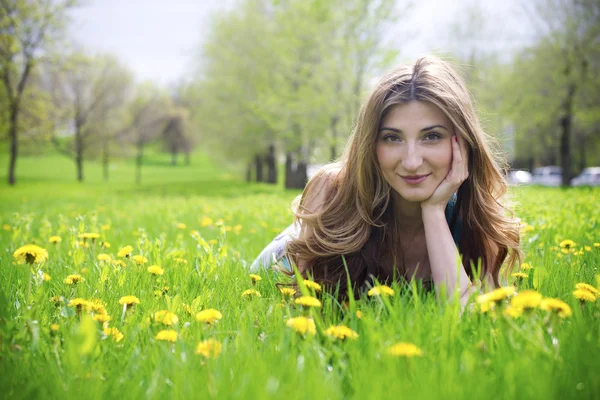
{"points": [[486, 306], [46, 277], [255, 278], [519, 275], [308, 301], [526, 299], [209, 348], [341, 332], [180, 225], [167, 335], [302, 325], [74, 279], [139, 259], [206, 221], [597, 245], [251, 293], [129, 300], [6, 227], [209, 316], [404, 350], [180, 261], [57, 300], [30, 254], [359, 314], [125, 251], [105, 245], [113, 333], [567, 244], [55, 239], [312, 285], [95, 306], [102, 318], [526, 266], [556, 305], [584, 295], [588, 287], [155, 270], [166, 317], [78, 303], [103, 257], [587, 248], [105, 227], [287, 292], [496, 295], [380, 290], [54, 327], [119, 263], [513, 312]]}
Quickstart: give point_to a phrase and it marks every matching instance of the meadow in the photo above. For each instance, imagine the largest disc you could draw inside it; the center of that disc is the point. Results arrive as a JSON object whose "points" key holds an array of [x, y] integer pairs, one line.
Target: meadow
{"points": [[177, 315]]}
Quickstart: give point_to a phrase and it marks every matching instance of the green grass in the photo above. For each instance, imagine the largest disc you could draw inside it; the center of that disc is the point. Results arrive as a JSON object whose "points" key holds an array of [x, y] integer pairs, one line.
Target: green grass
{"points": [[471, 356]]}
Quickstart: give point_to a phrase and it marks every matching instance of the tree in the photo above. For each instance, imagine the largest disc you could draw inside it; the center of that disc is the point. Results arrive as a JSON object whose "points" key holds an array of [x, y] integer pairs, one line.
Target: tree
{"points": [[90, 90], [26, 28]]}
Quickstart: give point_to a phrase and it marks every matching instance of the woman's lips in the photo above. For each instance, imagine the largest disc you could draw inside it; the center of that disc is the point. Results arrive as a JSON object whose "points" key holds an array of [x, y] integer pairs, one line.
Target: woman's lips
{"points": [[414, 179]]}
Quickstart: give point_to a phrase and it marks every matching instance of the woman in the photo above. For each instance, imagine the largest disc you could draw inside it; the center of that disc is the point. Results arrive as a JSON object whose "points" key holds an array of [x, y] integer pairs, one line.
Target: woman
{"points": [[417, 188]]}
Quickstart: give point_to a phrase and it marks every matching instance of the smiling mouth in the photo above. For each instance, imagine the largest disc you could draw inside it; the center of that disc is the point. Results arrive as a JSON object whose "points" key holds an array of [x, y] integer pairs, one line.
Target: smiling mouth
{"points": [[414, 179]]}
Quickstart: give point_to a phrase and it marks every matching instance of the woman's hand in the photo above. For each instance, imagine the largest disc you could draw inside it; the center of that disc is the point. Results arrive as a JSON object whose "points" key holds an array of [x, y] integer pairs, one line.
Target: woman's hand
{"points": [[459, 171]]}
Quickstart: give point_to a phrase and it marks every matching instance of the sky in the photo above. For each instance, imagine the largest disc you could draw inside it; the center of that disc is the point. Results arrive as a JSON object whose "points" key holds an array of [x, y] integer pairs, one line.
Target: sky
{"points": [[159, 39]]}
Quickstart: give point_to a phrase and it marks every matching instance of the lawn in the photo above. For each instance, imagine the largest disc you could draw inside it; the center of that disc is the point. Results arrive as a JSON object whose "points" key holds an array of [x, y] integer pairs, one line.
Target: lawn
{"points": [[64, 332]]}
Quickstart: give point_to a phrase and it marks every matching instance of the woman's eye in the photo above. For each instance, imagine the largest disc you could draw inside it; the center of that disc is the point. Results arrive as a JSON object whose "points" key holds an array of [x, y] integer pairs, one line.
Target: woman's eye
{"points": [[432, 136], [391, 138]]}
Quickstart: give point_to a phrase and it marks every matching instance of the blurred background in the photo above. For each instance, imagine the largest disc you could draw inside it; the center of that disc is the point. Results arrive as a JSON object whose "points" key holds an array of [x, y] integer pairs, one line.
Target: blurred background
{"points": [[268, 90]]}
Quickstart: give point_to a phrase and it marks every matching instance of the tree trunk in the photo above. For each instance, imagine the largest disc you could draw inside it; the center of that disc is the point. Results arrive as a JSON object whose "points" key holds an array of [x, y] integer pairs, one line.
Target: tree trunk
{"points": [[138, 163], [14, 113], [565, 138], [271, 165], [296, 175], [174, 158], [582, 155], [333, 127], [288, 169], [187, 158], [79, 154], [258, 163], [105, 160]]}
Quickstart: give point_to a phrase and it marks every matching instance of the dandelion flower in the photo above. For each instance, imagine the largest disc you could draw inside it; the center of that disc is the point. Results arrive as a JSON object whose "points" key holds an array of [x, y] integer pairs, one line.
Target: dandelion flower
{"points": [[155, 270], [113, 333], [139, 259], [597, 245], [165, 317], [105, 227], [250, 293], [589, 288], [308, 301], [567, 244], [287, 292], [91, 236], [129, 300], [255, 278], [78, 303], [6, 227], [209, 348], [519, 275], [119, 263], [404, 350], [54, 327], [496, 295], [125, 251], [584, 295], [103, 257], [102, 318], [74, 279], [206, 221], [359, 314], [312, 285], [380, 290], [513, 312], [57, 300], [30, 253], [526, 299], [55, 239], [46, 277], [105, 245], [341, 332], [556, 305], [209, 316], [180, 261], [526, 266], [302, 325], [167, 335], [180, 225]]}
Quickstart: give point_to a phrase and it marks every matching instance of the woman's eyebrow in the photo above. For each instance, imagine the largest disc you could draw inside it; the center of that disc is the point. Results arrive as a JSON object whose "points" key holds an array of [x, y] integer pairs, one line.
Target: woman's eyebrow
{"points": [[386, 128]]}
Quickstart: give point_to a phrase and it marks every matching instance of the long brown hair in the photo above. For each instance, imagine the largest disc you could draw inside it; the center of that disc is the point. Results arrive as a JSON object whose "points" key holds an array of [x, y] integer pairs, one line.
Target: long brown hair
{"points": [[356, 221]]}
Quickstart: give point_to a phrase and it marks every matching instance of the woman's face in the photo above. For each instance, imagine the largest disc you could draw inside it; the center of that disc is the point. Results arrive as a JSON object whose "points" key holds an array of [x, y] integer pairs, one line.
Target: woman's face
{"points": [[414, 149]]}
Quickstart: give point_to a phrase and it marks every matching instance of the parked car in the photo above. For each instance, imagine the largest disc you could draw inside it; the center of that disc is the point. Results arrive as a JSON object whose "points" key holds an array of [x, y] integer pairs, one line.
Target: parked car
{"points": [[588, 177], [519, 177], [550, 175]]}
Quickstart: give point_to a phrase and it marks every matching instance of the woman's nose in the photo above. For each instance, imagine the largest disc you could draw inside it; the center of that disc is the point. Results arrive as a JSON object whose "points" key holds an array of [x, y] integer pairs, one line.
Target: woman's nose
{"points": [[412, 159]]}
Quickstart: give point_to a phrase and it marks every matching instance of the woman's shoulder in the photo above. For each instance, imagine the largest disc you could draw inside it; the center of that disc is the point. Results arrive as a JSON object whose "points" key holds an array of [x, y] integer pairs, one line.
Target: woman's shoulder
{"points": [[320, 186]]}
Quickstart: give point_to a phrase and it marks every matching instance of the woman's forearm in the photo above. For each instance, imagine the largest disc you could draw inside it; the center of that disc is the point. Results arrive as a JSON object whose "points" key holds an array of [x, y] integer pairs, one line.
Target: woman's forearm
{"points": [[444, 261]]}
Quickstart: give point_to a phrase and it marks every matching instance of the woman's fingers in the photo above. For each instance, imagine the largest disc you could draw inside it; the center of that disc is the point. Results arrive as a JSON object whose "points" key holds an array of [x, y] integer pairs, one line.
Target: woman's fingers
{"points": [[459, 160]]}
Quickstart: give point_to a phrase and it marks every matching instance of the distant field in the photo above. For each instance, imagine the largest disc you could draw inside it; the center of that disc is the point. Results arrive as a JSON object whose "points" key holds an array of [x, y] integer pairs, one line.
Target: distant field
{"points": [[202, 225]]}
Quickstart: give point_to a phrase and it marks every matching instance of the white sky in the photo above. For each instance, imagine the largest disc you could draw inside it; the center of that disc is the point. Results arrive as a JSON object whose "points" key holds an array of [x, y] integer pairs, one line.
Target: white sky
{"points": [[158, 39]]}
